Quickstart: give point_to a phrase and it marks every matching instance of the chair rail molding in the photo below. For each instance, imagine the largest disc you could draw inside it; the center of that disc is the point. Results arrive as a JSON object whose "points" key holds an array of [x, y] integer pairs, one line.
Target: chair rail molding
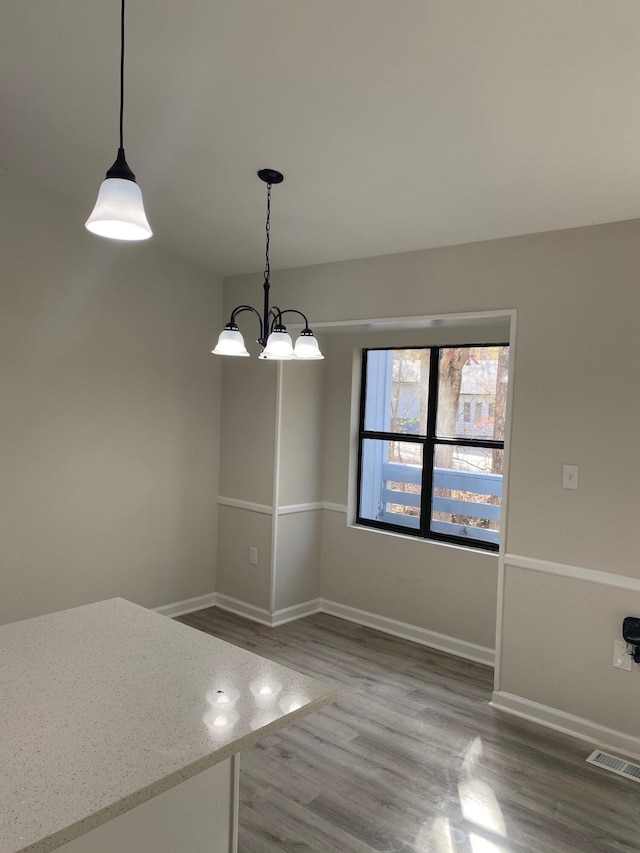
{"points": [[575, 572]]}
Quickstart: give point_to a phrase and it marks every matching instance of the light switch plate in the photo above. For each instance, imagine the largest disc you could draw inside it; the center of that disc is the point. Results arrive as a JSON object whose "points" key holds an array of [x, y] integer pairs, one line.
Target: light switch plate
{"points": [[569, 476]]}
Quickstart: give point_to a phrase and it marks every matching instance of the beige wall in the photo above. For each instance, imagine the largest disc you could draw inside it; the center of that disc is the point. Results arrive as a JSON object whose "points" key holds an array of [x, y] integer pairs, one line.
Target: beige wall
{"points": [[578, 306], [449, 590], [248, 428], [249, 411], [272, 458], [298, 559], [578, 309], [300, 433], [444, 589], [109, 416]]}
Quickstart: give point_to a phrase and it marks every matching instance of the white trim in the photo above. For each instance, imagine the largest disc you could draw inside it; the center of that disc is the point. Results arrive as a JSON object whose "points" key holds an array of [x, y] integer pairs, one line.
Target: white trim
{"points": [[376, 531], [574, 572], [504, 502], [263, 509], [568, 724], [442, 642], [248, 505], [293, 508], [451, 645], [189, 605], [334, 507], [241, 608], [497, 671], [416, 321], [259, 614], [277, 430], [354, 436], [298, 611]]}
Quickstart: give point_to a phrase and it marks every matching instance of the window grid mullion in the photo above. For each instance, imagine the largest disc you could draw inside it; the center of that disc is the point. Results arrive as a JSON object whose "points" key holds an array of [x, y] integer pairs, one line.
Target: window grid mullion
{"points": [[428, 450]]}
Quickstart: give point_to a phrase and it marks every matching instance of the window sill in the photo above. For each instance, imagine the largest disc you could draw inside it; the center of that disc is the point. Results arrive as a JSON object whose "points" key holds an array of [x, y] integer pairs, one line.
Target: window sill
{"points": [[419, 539]]}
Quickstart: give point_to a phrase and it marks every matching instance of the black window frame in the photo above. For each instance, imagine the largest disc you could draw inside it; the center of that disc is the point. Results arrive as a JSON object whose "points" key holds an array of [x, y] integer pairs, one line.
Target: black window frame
{"points": [[429, 443]]}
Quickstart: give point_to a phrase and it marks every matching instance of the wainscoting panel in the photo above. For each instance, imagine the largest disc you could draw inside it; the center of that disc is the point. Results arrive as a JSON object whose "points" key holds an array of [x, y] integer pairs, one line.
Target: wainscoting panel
{"points": [[556, 652]]}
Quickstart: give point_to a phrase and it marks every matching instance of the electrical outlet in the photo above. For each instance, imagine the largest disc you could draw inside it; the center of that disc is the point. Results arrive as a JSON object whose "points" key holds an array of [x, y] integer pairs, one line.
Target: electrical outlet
{"points": [[253, 556], [621, 657]]}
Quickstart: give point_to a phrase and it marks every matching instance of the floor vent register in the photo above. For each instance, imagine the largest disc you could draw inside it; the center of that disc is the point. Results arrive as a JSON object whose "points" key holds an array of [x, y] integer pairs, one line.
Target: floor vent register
{"points": [[616, 765]]}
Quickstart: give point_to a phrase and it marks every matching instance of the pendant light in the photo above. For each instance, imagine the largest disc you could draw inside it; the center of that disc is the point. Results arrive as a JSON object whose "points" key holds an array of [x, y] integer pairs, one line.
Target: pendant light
{"points": [[274, 337], [119, 211]]}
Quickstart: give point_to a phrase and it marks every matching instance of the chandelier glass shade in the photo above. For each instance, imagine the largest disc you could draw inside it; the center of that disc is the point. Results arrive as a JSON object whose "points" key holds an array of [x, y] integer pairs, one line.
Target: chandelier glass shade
{"points": [[279, 345], [274, 338], [119, 210], [230, 342]]}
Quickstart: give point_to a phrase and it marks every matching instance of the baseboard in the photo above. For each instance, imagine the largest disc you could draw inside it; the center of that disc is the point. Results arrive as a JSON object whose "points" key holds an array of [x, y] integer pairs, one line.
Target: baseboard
{"points": [[424, 637], [298, 611], [189, 605], [568, 724], [258, 614], [241, 608], [441, 642]]}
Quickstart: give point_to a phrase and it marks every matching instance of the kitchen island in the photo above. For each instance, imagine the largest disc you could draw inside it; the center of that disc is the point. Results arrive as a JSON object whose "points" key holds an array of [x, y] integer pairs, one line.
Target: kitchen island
{"points": [[120, 730]]}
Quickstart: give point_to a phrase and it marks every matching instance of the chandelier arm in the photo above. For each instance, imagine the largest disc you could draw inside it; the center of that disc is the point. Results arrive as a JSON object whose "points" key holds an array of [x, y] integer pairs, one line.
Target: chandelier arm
{"points": [[295, 311], [274, 319], [239, 310]]}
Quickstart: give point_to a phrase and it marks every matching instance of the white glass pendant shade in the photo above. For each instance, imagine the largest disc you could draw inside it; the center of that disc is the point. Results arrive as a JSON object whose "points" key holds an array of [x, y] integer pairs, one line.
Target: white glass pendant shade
{"points": [[279, 346], [230, 342], [307, 347], [119, 211]]}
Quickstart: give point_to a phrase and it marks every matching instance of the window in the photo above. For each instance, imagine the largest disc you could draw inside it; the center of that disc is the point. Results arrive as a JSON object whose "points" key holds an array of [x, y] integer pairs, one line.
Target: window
{"points": [[426, 467]]}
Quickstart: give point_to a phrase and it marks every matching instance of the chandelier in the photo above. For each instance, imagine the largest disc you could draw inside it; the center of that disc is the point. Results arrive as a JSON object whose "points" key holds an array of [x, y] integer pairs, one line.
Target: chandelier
{"points": [[274, 338]]}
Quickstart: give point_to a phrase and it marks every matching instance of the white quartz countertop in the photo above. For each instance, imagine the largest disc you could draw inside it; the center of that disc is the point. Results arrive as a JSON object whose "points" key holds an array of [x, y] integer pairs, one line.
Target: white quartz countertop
{"points": [[104, 706]]}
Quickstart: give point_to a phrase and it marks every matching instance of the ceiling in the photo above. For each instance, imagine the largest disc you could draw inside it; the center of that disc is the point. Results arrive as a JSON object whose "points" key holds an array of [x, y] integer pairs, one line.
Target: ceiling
{"points": [[399, 124]]}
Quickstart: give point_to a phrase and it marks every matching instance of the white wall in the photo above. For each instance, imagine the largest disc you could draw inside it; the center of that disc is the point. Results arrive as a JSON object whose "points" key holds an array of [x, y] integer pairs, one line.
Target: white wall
{"points": [[578, 306], [109, 415]]}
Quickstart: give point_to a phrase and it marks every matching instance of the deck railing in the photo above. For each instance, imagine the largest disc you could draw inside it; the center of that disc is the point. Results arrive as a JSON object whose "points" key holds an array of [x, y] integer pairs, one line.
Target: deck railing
{"points": [[469, 482]]}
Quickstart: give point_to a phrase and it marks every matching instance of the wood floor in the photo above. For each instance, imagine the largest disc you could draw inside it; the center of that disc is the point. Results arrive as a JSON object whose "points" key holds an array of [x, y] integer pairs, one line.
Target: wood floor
{"points": [[412, 758]]}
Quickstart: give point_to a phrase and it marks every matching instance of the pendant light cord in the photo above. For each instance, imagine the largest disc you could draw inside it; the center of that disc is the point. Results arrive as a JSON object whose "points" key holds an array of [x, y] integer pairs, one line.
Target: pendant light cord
{"points": [[121, 73]]}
